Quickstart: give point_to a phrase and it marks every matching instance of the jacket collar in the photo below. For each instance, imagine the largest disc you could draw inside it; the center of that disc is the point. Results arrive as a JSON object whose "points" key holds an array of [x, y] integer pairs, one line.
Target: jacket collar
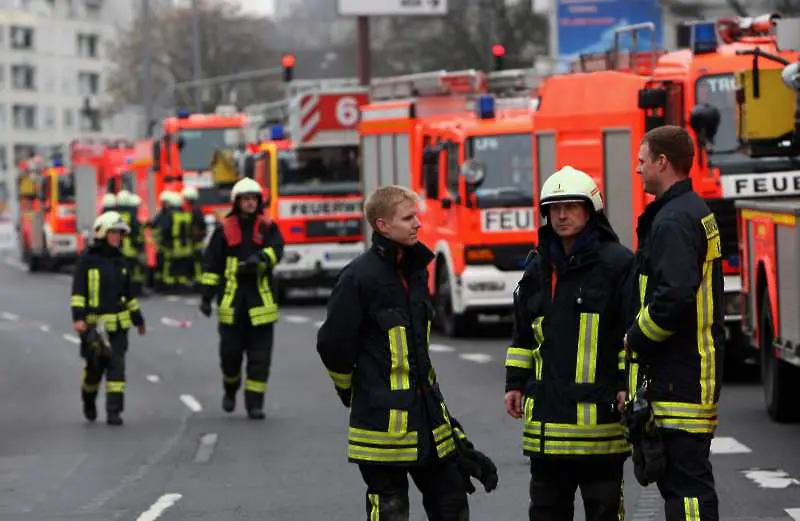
{"points": [[417, 256], [674, 191]]}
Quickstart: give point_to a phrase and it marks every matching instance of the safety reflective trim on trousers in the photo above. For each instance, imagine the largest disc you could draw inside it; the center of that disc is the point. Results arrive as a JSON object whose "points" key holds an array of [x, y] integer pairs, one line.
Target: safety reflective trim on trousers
{"points": [[370, 437], [398, 421], [375, 507], [382, 455], [89, 388], [398, 348], [210, 279], [273, 257], [568, 430], [650, 329], [565, 447], [586, 363], [538, 333], [93, 281], [133, 305], [77, 301], [705, 338], [691, 508], [166, 276], [235, 379], [519, 357], [341, 380], [255, 386], [115, 386]]}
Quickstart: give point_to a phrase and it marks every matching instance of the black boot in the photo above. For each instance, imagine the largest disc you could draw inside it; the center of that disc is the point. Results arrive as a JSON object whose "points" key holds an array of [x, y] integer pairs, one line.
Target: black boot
{"points": [[256, 414], [113, 418], [89, 405], [229, 402]]}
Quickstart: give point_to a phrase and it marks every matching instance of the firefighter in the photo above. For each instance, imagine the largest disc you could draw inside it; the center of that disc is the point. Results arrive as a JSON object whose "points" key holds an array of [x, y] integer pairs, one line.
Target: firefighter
{"points": [[175, 243], [374, 344], [133, 242], [675, 340], [102, 305], [198, 230], [237, 270], [565, 372], [109, 202]]}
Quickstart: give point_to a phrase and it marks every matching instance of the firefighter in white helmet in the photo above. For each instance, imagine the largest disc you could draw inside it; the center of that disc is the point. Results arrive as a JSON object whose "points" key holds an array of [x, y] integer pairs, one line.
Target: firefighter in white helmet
{"points": [[102, 304], [198, 227], [569, 321], [237, 269], [133, 242], [175, 244], [109, 202]]}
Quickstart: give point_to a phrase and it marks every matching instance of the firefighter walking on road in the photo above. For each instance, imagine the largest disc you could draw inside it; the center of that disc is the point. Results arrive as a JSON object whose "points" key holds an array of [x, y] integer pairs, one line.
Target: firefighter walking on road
{"points": [[374, 344], [198, 230], [103, 310], [237, 270], [133, 242], [676, 337], [565, 372]]}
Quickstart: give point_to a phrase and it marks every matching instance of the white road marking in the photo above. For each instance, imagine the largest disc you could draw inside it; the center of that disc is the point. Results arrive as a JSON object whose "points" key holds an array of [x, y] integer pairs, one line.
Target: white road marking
{"points": [[179, 351], [296, 319], [770, 478], [206, 448], [9, 316], [726, 445], [441, 348], [16, 264], [173, 298], [158, 508], [191, 402], [478, 358], [794, 513], [319, 323], [45, 328], [153, 378], [193, 301], [72, 339]]}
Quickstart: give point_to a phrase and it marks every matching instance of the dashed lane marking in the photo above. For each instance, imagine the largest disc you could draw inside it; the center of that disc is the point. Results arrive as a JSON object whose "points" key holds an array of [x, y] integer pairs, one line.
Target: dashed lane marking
{"points": [[794, 513], [11, 317], [771, 478], [72, 339], [159, 507], [191, 402], [173, 298], [206, 448], [727, 445], [297, 319], [478, 358], [44, 328], [441, 348], [153, 378]]}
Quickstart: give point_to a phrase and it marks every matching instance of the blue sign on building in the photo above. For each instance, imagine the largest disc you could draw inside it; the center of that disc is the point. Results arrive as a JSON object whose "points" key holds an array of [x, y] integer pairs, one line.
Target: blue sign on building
{"points": [[586, 26]]}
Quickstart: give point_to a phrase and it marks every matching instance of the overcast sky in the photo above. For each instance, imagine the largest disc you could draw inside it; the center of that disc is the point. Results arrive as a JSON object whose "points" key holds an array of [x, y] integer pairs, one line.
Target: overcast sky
{"points": [[258, 6]]}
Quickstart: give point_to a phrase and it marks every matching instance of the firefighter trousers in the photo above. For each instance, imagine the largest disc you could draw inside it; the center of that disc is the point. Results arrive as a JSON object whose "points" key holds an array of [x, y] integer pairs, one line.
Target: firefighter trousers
{"points": [[440, 482], [688, 485], [113, 367], [256, 342], [554, 482]]}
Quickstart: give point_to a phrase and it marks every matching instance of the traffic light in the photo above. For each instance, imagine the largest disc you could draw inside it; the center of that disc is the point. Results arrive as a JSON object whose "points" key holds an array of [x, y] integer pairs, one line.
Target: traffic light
{"points": [[288, 62], [499, 52]]}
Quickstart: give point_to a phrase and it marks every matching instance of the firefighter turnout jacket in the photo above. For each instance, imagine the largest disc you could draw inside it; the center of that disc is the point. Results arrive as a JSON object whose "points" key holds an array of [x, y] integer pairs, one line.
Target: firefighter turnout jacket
{"points": [[237, 268], [567, 354], [101, 289], [676, 338], [374, 344]]}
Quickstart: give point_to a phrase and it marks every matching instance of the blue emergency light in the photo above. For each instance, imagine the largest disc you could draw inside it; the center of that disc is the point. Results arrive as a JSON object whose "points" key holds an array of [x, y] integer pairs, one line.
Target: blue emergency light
{"points": [[183, 114], [485, 106], [57, 162], [276, 133], [704, 37]]}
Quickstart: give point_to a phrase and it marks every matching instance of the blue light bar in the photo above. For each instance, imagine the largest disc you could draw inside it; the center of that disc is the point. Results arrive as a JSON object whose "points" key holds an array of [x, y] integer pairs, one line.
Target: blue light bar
{"points": [[276, 133], [704, 37], [57, 162], [485, 106], [183, 114]]}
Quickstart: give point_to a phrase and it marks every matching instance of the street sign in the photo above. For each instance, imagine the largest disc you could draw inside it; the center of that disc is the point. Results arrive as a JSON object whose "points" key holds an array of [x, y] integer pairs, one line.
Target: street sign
{"points": [[392, 7]]}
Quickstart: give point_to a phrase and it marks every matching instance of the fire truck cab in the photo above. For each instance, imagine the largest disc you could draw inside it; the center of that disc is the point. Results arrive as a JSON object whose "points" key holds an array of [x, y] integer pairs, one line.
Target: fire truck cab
{"points": [[595, 117], [467, 154]]}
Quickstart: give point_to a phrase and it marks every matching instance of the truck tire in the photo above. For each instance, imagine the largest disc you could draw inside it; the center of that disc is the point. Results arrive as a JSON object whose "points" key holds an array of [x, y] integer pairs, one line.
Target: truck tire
{"points": [[452, 324], [781, 381]]}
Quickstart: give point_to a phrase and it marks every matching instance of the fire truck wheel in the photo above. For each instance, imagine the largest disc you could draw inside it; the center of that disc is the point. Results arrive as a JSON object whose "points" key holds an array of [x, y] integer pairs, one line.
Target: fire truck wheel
{"points": [[34, 263], [781, 381], [449, 322]]}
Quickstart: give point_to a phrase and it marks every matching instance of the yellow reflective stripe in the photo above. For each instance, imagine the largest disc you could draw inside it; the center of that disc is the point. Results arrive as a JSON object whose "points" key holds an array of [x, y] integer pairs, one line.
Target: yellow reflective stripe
{"points": [[459, 433], [89, 388], [225, 311], [359, 435], [583, 447], [652, 330], [685, 410], [399, 378], [210, 279], [586, 363], [115, 387], [255, 386], [691, 508], [538, 362], [231, 379], [538, 334], [569, 430], [77, 301], [375, 507], [442, 431], [93, 277], [528, 410], [446, 447], [381, 454], [621, 359], [398, 421], [270, 252], [181, 220], [429, 334], [133, 305], [642, 289], [261, 316], [519, 357], [693, 426], [341, 380], [705, 339], [633, 377], [714, 246]]}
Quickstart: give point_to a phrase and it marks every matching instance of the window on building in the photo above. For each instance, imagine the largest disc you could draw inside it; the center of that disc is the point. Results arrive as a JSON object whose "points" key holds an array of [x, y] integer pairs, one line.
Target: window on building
{"points": [[88, 45], [90, 122], [88, 83], [23, 77], [2, 76], [3, 117], [24, 117], [3, 158], [94, 8], [23, 151], [21, 37], [69, 119], [2, 35], [50, 118]]}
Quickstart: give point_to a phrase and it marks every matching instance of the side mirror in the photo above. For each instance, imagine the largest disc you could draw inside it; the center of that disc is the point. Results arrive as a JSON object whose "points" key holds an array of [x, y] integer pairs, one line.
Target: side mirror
{"points": [[791, 76], [474, 173], [704, 120]]}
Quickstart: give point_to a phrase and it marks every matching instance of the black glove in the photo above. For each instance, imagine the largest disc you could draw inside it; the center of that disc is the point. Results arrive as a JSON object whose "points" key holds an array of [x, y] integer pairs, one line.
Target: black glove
{"points": [[205, 308], [251, 264], [475, 464], [344, 395]]}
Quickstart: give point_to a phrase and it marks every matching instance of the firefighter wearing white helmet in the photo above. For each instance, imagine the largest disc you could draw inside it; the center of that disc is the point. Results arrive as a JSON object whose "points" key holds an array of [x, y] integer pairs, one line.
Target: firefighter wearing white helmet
{"points": [[132, 243], [175, 245], [109, 202], [198, 231], [250, 242], [569, 318], [103, 309]]}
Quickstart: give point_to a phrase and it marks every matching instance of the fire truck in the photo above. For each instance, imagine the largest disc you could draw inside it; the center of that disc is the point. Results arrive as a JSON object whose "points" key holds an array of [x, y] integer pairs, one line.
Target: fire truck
{"points": [[314, 132], [462, 141], [769, 235], [595, 117], [47, 229]]}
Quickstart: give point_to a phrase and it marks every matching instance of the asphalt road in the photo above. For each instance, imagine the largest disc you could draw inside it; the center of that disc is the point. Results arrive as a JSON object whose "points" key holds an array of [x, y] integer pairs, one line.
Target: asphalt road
{"points": [[180, 457]]}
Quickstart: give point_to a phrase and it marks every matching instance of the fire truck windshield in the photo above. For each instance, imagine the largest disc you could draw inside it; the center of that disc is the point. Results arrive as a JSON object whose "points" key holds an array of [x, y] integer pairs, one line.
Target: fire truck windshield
{"points": [[719, 90], [509, 162], [199, 146], [318, 171], [66, 188]]}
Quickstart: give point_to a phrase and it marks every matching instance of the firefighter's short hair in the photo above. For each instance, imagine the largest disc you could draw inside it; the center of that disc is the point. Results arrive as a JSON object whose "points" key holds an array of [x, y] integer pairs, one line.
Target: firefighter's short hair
{"points": [[382, 203], [675, 144]]}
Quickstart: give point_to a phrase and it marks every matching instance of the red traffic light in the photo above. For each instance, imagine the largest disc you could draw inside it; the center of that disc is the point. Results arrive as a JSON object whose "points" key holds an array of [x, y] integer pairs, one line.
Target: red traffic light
{"points": [[288, 60], [498, 50]]}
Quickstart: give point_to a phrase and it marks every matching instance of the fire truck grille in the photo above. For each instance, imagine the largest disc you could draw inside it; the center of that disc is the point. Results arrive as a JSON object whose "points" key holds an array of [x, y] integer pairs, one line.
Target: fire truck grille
{"points": [[333, 228], [725, 212]]}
